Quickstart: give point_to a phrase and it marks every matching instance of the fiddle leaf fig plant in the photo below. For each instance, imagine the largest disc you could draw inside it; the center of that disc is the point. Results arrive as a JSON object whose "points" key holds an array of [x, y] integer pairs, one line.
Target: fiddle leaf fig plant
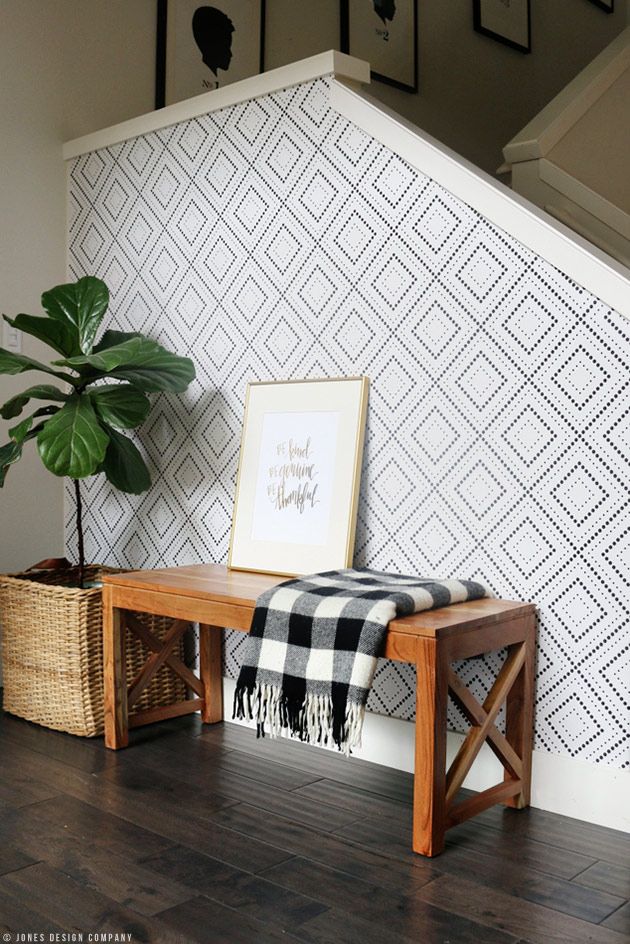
{"points": [[78, 433]]}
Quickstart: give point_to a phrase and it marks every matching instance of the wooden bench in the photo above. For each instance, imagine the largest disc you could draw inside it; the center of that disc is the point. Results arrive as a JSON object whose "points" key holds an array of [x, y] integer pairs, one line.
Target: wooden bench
{"points": [[216, 597]]}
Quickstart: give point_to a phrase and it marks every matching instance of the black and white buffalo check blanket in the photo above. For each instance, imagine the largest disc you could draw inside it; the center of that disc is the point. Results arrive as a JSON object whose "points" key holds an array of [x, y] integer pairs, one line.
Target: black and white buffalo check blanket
{"points": [[311, 653]]}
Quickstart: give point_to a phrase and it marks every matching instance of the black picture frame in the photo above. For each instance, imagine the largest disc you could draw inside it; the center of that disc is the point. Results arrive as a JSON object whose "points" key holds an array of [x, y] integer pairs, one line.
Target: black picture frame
{"points": [[162, 27], [608, 6], [160, 54], [351, 47], [506, 40]]}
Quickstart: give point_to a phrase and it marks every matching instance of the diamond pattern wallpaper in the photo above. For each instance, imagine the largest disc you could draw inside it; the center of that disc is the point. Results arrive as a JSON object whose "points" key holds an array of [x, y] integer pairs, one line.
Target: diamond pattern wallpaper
{"points": [[275, 240]]}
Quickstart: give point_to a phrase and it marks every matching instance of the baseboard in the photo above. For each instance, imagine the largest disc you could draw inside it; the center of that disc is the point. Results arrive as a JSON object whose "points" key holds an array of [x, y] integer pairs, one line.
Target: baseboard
{"points": [[560, 784]]}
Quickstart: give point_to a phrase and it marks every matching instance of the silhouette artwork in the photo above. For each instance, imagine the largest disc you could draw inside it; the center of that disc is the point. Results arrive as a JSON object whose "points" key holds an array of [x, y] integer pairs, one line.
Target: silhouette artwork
{"points": [[213, 31], [384, 33], [385, 9]]}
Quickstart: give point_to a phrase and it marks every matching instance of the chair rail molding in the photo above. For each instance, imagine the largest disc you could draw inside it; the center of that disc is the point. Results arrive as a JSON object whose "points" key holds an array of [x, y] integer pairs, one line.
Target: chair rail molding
{"points": [[296, 73], [573, 255]]}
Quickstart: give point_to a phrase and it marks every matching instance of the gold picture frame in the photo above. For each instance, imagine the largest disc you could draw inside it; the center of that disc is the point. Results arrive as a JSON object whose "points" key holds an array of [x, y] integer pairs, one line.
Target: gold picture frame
{"points": [[299, 473]]}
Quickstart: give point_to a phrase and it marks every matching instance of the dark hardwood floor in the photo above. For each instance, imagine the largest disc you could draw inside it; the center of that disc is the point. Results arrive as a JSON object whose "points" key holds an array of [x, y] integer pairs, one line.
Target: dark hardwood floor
{"points": [[208, 835]]}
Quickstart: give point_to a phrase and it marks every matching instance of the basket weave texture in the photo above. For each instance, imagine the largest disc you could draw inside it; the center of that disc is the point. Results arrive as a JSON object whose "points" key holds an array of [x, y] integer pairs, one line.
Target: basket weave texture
{"points": [[52, 651]]}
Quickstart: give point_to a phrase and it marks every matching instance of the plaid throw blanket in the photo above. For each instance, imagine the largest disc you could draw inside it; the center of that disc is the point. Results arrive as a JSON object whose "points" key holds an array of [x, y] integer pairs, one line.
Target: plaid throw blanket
{"points": [[312, 649]]}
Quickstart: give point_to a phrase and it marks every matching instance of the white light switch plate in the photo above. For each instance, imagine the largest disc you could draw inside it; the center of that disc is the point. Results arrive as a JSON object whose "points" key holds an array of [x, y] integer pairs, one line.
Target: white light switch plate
{"points": [[11, 338]]}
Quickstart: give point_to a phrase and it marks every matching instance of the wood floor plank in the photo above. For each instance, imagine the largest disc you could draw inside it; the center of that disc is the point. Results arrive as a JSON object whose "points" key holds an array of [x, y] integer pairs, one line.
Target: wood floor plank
{"points": [[74, 907], [258, 768], [122, 880], [361, 803], [16, 917], [620, 921], [170, 827], [607, 877], [207, 922], [184, 726], [328, 850], [195, 767], [385, 781], [404, 915], [495, 871], [269, 771], [496, 909], [12, 858], [82, 753], [338, 926], [248, 894], [390, 840], [527, 883], [597, 842], [528, 851], [31, 827], [136, 786], [18, 789], [87, 754], [159, 819], [21, 761]]}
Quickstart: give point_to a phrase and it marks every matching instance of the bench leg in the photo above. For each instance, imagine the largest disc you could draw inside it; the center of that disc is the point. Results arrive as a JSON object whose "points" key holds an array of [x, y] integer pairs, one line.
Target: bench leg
{"points": [[114, 675], [519, 722], [210, 670], [429, 789]]}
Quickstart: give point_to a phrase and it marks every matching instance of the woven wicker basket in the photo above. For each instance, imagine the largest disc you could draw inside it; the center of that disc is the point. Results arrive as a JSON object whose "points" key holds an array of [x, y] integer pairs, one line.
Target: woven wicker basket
{"points": [[52, 651]]}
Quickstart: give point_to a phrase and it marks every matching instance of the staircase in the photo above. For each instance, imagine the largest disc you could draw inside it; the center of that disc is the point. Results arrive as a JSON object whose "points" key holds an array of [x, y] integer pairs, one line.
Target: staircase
{"points": [[572, 158]]}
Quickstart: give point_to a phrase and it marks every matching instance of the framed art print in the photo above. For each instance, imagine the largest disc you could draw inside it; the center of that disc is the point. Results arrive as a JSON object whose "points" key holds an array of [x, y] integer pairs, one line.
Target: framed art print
{"points": [[298, 478], [385, 33], [291, 33], [202, 47], [508, 21]]}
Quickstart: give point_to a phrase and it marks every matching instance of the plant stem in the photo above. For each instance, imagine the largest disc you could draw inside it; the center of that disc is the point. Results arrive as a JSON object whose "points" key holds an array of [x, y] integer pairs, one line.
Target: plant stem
{"points": [[77, 493]]}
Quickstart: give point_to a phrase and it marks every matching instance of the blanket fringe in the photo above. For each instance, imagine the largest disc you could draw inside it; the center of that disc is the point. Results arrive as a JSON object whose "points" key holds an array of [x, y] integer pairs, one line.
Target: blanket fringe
{"points": [[312, 721]]}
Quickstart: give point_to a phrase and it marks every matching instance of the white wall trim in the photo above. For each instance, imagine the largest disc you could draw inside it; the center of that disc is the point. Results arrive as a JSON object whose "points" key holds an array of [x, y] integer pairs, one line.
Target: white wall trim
{"points": [[582, 222], [606, 278], [306, 70], [552, 123], [598, 206], [560, 784], [573, 255]]}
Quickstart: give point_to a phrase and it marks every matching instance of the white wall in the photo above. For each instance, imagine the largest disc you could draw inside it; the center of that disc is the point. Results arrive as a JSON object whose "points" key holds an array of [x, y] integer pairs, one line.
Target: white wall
{"points": [[66, 68], [475, 93]]}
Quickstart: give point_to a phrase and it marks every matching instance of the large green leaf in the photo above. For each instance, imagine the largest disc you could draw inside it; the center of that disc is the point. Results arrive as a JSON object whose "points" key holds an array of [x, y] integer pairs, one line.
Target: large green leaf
{"points": [[120, 405], [73, 442], [111, 338], [18, 433], [142, 362], [11, 363], [9, 454], [56, 334], [24, 430], [124, 466], [80, 305], [15, 405]]}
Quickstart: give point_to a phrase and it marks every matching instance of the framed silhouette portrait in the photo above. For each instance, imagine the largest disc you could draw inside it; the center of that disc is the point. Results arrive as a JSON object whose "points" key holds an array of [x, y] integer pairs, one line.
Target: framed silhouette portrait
{"points": [[385, 33], [299, 471], [508, 21], [204, 46]]}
